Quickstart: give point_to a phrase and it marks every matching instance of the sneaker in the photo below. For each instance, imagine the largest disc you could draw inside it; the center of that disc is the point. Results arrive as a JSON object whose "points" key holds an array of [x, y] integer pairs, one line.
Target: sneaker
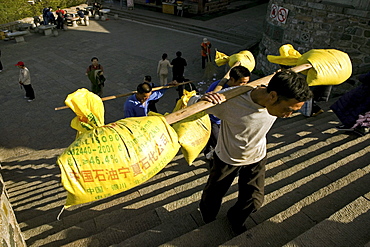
{"points": [[30, 100], [237, 228], [25, 97]]}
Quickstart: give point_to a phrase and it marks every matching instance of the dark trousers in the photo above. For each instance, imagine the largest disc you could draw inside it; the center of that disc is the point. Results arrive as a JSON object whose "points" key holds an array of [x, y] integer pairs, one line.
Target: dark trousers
{"points": [[60, 23], [204, 60], [251, 184], [29, 91]]}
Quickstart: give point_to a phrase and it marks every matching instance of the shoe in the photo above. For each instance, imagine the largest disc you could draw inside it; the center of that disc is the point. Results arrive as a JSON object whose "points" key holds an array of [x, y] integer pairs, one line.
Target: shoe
{"points": [[204, 218], [317, 113], [30, 100], [1, 71], [25, 97], [361, 131], [237, 228]]}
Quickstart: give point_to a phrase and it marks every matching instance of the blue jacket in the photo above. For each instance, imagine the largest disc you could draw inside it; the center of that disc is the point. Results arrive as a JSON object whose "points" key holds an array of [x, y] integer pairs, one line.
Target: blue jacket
{"points": [[134, 108], [211, 88]]}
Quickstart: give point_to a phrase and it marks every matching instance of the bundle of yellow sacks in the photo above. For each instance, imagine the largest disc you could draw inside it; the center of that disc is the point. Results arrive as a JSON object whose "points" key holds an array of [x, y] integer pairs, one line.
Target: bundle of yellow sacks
{"points": [[108, 159]]}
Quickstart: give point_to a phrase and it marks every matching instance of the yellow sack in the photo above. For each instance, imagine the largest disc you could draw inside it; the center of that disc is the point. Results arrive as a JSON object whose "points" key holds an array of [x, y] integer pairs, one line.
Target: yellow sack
{"points": [[193, 132], [89, 109], [246, 59], [107, 159], [329, 66], [288, 56], [116, 157]]}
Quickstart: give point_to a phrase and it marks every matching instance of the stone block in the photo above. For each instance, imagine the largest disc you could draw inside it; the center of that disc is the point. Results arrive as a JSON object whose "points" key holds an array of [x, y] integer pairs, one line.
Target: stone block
{"points": [[356, 12], [317, 6], [19, 39]]}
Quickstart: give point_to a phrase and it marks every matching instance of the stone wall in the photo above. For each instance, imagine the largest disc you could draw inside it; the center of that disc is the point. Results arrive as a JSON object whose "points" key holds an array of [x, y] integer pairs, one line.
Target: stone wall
{"points": [[315, 24], [10, 233]]}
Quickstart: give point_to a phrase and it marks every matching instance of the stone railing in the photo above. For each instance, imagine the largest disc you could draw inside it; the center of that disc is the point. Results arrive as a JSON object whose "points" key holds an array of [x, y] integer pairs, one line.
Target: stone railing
{"points": [[10, 233]]}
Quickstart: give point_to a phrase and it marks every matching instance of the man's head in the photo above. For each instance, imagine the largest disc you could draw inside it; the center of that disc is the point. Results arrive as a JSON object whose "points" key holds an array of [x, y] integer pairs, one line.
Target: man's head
{"points": [[144, 90], [287, 92], [20, 64], [147, 78], [178, 54], [205, 40], [95, 61], [239, 75]]}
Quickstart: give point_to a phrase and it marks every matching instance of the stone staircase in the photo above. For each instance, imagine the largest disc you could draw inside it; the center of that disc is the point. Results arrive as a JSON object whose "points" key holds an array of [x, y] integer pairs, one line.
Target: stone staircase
{"points": [[180, 25], [317, 194]]}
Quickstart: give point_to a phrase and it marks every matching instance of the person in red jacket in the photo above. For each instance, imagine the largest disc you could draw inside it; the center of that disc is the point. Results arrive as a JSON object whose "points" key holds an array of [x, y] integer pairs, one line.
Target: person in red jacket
{"points": [[205, 51]]}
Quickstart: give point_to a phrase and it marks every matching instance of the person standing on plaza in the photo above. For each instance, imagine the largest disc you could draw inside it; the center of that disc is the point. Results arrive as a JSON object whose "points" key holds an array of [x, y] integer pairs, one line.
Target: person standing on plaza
{"points": [[162, 69], [205, 52], [60, 17], [178, 68], [95, 73], [25, 81], [236, 76], [241, 146]]}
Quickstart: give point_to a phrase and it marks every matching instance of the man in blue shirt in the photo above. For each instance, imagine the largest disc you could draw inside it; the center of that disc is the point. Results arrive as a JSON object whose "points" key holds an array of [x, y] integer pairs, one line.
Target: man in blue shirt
{"points": [[137, 104], [236, 76]]}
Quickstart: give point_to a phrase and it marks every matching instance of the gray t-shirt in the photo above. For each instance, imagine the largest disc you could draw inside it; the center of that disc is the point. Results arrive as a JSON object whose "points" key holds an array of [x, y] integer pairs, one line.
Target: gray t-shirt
{"points": [[244, 125]]}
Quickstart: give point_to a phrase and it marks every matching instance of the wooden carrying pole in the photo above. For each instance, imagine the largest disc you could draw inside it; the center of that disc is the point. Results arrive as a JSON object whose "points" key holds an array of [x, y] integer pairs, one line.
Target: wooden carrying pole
{"points": [[203, 105], [128, 94]]}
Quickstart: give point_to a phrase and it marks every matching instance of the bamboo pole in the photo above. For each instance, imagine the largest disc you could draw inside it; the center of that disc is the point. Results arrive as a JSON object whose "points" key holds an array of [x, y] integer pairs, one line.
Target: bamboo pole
{"points": [[203, 105], [128, 94]]}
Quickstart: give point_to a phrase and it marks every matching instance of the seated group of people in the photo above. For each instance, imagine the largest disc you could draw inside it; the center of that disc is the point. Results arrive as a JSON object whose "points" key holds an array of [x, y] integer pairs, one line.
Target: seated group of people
{"points": [[61, 17]]}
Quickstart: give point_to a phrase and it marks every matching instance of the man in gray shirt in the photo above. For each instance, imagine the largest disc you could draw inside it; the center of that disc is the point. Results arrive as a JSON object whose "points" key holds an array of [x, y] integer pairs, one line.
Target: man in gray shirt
{"points": [[241, 146]]}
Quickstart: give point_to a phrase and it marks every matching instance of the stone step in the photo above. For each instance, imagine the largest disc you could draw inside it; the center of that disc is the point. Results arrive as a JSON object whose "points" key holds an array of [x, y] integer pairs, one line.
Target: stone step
{"points": [[344, 226], [308, 160], [156, 192], [292, 214], [184, 27]]}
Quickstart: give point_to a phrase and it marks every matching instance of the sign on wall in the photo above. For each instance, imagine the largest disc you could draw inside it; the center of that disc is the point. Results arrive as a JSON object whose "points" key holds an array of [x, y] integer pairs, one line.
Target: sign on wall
{"points": [[279, 13]]}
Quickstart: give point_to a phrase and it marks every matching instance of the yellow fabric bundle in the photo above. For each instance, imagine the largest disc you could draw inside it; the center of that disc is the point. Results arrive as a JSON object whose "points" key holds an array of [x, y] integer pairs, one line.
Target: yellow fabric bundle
{"points": [[109, 159], [193, 132], [329, 66], [246, 59], [89, 109]]}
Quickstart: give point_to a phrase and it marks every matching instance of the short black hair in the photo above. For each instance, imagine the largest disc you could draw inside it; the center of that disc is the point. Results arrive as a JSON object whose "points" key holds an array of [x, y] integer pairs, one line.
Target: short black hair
{"points": [[290, 85], [148, 78], [239, 72], [179, 54], [144, 88], [94, 58]]}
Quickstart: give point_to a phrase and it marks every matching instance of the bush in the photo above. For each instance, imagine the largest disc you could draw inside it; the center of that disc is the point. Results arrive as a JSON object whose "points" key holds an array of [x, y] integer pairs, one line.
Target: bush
{"points": [[18, 9]]}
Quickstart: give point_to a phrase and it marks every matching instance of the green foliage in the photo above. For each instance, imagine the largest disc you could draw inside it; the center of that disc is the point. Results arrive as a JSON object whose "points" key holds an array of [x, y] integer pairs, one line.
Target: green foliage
{"points": [[13, 10]]}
